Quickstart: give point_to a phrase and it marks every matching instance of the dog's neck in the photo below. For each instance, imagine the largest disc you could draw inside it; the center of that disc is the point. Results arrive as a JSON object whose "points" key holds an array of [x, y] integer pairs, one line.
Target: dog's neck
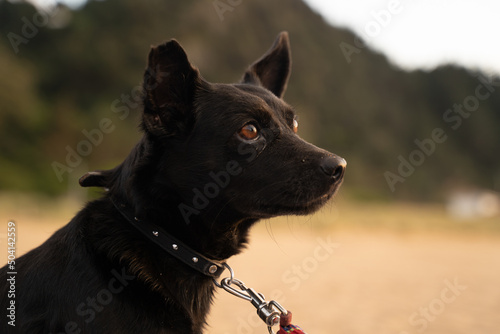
{"points": [[183, 291], [217, 238], [171, 278], [217, 235]]}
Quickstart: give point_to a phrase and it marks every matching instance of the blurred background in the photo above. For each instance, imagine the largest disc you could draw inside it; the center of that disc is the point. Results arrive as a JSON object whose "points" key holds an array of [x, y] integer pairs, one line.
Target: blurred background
{"points": [[407, 92]]}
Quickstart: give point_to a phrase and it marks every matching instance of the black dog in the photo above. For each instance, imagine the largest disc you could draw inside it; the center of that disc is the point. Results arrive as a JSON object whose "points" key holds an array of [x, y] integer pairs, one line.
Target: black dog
{"points": [[214, 159]]}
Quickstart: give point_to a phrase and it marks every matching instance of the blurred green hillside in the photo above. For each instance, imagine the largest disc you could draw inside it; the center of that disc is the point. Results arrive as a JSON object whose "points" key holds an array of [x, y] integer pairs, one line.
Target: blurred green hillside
{"points": [[63, 72]]}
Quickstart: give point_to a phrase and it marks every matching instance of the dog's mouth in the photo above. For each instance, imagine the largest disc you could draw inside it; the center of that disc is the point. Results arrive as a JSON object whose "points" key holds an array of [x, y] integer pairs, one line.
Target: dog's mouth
{"points": [[296, 208]]}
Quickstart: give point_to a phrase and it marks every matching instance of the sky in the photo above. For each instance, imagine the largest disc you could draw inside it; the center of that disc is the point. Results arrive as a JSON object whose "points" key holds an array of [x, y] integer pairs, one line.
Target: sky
{"points": [[423, 33], [416, 33]]}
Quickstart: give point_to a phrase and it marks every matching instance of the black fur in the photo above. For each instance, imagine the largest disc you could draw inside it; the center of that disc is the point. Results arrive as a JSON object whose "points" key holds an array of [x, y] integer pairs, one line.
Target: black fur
{"points": [[99, 275]]}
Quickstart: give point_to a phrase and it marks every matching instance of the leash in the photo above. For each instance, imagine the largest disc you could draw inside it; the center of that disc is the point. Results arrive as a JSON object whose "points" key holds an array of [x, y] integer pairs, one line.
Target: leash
{"points": [[272, 313]]}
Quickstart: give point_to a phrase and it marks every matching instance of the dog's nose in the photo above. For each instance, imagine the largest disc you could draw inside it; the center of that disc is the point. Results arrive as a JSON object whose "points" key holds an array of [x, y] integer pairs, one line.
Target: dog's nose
{"points": [[333, 167]]}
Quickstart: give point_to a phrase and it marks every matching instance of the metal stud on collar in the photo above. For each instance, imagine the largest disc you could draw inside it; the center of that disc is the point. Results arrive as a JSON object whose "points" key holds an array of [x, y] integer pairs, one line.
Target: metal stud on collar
{"points": [[169, 243]]}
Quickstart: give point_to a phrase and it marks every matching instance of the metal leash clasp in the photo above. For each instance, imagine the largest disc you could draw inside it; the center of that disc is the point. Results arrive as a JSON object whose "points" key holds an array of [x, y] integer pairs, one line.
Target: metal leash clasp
{"points": [[269, 312]]}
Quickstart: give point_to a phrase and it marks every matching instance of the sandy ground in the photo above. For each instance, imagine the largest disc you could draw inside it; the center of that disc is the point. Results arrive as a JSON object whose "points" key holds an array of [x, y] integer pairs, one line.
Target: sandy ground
{"points": [[378, 282], [347, 280]]}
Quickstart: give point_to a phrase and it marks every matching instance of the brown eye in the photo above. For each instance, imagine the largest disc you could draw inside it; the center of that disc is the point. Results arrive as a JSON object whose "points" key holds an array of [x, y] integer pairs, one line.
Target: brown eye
{"points": [[248, 132], [295, 126]]}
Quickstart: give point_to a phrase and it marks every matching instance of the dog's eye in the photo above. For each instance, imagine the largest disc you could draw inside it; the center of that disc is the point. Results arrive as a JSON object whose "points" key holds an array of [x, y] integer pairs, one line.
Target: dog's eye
{"points": [[248, 132], [295, 125]]}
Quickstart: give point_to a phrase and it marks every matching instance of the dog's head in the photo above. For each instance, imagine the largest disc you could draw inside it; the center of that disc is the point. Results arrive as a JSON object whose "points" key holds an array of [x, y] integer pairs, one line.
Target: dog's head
{"points": [[222, 151]]}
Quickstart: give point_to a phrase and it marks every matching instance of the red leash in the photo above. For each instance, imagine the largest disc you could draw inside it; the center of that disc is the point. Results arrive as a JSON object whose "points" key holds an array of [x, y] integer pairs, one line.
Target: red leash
{"points": [[286, 327]]}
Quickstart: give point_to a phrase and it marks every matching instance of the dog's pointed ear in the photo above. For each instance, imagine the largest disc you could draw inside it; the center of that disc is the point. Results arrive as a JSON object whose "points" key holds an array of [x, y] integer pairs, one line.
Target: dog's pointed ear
{"points": [[273, 69], [169, 86], [96, 179]]}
